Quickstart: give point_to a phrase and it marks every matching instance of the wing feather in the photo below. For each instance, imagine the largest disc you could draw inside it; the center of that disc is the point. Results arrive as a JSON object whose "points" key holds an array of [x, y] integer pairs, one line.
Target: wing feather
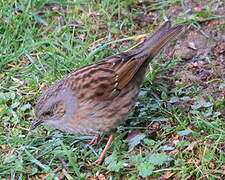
{"points": [[105, 79]]}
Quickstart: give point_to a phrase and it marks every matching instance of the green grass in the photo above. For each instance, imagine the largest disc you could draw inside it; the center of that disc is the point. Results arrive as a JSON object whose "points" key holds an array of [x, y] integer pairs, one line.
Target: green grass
{"points": [[42, 40]]}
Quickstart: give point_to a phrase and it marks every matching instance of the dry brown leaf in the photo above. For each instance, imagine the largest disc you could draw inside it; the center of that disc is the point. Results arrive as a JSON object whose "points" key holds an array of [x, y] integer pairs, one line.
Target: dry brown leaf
{"points": [[192, 45], [167, 175]]}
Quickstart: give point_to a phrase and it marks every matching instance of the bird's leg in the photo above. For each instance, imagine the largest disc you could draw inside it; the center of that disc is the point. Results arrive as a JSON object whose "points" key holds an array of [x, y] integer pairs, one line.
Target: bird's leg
{"points": [[102, 156], [95, 140]]}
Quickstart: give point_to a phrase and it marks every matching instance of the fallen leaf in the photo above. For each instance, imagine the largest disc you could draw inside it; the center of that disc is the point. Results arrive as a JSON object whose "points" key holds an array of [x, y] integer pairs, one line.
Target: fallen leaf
{"points": [[101, 177], [191, 146], [167, 175], [192, 45]]}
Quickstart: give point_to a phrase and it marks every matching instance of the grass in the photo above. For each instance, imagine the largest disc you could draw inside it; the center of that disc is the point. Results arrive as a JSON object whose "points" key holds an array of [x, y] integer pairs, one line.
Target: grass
{"points": [[42, 40]]}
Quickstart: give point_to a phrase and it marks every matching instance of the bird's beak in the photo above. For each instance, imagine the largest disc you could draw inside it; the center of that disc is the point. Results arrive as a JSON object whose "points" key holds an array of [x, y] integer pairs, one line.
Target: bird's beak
{"points": [[35, 124]]}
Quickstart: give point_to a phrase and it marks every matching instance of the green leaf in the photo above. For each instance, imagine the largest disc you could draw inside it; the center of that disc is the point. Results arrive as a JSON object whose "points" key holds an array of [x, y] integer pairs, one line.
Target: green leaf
{"points": [[15, 104], [167, 148], [164, 96], [183, 143], [136, 159], [207, 114], [4, 97], [145, 169], [197, 106], [159, 119], [185, 98], [10, 95], [216, 114], [113, 163], [173, 99], [184, 132], [194, 112], [157, 159], [149, 142], [111, 158], [19, 165], [25, 107], [115, 166], [208, 104], [135, 140]]}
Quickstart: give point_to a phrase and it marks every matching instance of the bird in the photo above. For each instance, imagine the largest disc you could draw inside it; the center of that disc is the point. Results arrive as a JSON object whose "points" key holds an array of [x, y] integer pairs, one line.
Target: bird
{"points": [[98, 97]]}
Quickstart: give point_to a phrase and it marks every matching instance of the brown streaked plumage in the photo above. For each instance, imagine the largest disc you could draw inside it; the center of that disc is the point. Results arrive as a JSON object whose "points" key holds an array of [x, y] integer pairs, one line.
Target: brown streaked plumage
{"points": [[98, 97]]}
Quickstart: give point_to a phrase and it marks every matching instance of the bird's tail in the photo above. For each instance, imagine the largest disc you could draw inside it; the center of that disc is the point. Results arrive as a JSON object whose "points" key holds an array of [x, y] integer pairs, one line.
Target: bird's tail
{"points": [[133, 59], [152, 45]]}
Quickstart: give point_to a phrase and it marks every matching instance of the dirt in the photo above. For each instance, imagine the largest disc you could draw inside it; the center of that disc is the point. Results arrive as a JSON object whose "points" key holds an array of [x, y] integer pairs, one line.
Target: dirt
{"points": [[201, 50]]}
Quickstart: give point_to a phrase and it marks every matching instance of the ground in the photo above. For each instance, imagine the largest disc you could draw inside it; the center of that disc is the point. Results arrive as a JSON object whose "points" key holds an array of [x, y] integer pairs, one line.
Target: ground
{"points": [[177, 130]]}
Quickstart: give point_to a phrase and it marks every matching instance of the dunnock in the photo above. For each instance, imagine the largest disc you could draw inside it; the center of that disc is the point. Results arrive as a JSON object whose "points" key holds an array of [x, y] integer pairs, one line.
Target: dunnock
{"points": [[98, 97]]}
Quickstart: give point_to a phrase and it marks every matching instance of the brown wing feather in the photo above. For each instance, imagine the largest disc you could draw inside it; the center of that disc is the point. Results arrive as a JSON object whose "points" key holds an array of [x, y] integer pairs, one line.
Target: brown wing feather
{"points": [[104, 80], [97, 81], [126, 68], [131, 61]]}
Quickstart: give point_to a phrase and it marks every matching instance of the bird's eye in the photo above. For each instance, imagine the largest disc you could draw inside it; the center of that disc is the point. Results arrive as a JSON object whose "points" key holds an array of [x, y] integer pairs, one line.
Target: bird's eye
{"points": [[47, 113]]}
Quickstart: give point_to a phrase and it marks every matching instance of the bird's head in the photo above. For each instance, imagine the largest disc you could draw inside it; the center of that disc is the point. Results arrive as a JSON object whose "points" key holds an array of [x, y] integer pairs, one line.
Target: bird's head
{"points": [[55, 107]]}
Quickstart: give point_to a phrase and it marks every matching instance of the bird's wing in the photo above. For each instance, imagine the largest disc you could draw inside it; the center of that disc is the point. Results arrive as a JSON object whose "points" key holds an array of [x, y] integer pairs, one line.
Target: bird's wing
{"points": [[103, 80], [94, 82], [127, 64]]}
